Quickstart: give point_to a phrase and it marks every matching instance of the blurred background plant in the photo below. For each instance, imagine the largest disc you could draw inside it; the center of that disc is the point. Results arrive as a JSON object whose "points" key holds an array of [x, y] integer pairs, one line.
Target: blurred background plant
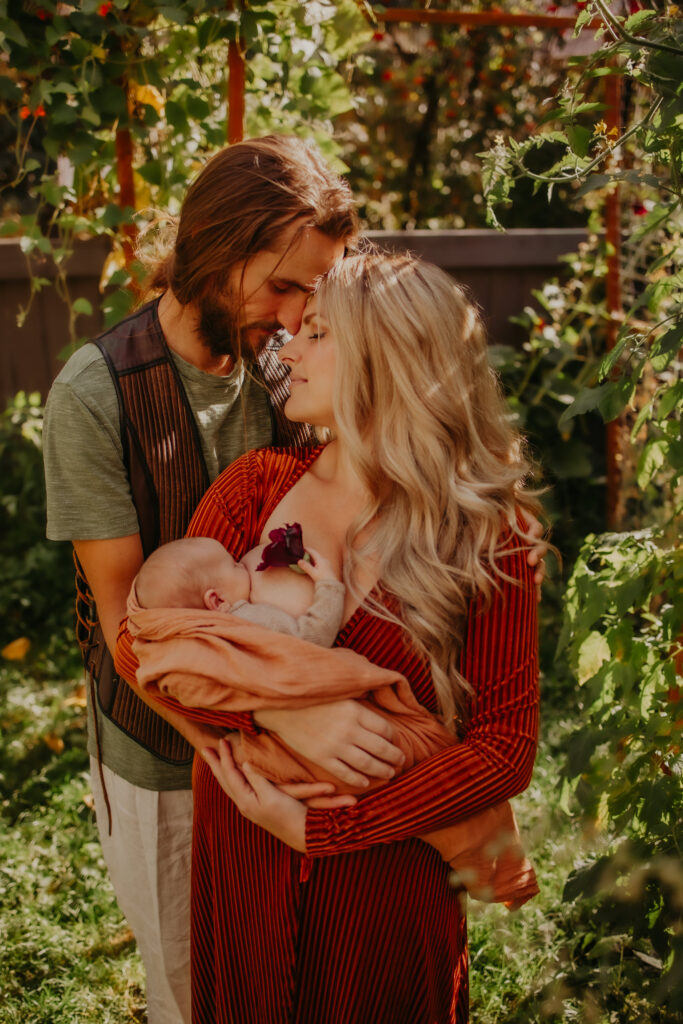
{"points": [[36, 576], [623, 608]]}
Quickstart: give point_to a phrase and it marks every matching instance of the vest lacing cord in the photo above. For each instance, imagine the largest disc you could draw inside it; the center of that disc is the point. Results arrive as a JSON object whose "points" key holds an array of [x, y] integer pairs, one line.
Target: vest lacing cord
{"points": [[85, 628]]}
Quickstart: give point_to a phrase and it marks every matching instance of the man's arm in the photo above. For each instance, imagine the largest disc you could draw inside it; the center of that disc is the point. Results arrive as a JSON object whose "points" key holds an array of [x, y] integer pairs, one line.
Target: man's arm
{"points": [[110, 567]]}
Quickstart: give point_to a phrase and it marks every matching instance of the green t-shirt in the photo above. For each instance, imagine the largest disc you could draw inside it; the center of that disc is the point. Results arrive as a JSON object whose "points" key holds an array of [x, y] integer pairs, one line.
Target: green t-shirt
{"points": [[89, 497]]}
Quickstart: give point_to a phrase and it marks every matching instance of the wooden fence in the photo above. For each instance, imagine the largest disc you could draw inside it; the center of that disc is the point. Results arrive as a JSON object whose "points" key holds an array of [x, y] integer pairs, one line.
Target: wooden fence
{"points": [[501, 270]]}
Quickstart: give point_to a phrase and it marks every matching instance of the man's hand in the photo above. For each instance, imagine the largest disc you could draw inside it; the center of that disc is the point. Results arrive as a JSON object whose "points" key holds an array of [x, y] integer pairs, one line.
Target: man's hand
{"points": [[348, 740], [257, 799], [536, 556]]}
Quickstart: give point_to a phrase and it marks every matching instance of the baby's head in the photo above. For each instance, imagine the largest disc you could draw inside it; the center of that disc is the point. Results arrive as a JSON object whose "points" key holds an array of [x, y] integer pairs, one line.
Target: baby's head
{"points": [[195, 572]]}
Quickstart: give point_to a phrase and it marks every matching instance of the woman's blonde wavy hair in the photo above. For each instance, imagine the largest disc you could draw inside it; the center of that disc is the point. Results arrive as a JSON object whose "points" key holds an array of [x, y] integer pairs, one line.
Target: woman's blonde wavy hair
{"points": [[423, 418]]}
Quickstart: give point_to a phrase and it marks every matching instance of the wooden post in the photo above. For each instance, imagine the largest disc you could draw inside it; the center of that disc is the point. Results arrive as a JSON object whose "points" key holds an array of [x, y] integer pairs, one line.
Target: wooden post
{"points": [[613, 289], [126, 181], [235, 92], [236, 80]]}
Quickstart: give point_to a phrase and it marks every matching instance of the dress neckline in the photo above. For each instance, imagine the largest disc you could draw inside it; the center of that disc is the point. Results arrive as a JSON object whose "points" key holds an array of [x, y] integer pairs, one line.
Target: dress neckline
{"points": [[303, 464]]}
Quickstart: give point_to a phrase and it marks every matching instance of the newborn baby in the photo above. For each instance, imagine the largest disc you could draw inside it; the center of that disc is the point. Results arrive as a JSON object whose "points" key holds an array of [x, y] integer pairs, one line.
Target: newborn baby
{"points": [[197, 572]]}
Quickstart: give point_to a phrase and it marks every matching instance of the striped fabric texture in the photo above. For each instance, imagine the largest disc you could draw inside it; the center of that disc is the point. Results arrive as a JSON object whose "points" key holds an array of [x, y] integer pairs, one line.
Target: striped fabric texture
{"points": [[365, 928]]}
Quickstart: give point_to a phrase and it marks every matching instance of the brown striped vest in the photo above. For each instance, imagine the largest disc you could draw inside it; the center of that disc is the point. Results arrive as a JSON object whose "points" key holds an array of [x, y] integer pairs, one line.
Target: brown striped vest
{"points": [[163, 459]]}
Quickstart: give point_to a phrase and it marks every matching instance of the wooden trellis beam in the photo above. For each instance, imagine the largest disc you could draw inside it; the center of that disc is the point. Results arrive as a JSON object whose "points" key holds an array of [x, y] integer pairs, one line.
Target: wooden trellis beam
{"points": [[487, 18]]}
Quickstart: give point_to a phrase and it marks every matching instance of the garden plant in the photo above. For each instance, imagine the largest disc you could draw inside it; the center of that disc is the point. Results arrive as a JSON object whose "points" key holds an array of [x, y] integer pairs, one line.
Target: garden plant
{"points": [[420, 119]]}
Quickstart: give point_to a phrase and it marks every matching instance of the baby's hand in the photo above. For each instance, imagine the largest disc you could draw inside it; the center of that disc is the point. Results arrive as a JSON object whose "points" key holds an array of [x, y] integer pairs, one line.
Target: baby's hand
{"points": [[319, 568]]}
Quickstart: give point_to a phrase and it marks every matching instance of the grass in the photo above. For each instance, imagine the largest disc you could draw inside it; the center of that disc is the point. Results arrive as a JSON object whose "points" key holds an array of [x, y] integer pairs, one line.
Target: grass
{"points": [[513, 955], [69, 957]]}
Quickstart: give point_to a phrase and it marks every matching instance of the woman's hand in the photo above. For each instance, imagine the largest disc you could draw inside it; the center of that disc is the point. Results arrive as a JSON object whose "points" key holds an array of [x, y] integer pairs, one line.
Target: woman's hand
{"points": [[319, 796], [257, 799], [348, 740]]}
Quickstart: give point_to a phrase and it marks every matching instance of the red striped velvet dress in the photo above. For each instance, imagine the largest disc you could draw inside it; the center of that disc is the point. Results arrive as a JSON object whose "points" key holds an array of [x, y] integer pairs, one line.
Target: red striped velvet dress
{"points": [[365, 929]]}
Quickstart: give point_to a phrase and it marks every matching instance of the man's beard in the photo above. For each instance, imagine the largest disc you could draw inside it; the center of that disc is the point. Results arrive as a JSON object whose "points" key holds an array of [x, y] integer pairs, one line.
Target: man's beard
{"points": [[222, 334]]}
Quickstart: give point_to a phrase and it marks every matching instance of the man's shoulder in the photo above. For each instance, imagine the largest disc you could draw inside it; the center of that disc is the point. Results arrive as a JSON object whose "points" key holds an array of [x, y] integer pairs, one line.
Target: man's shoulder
{"points": [[135, 341], [84, 369], [87, 368]]}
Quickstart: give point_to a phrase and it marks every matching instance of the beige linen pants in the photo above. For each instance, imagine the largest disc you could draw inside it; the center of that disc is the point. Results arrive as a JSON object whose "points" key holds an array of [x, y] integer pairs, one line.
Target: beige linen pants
{"points": [[148, 856]]}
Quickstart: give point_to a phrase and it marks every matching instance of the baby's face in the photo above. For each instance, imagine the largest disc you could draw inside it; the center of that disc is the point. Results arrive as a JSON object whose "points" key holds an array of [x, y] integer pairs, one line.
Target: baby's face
{"points": [[232, 580]]}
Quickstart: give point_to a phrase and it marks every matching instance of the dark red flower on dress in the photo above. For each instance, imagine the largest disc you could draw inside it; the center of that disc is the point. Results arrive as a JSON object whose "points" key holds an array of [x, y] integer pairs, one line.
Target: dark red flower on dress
{"points": [[104, 9], [286, 547]]}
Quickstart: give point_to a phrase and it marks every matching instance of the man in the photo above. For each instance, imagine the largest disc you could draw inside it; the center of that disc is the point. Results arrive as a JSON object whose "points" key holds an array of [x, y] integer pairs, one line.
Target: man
{"points": [[135, 431]]}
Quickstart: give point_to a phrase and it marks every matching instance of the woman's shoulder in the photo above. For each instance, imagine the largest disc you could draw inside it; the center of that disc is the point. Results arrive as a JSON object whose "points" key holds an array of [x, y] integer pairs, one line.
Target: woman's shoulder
{"points": [[264, 466], [244, 484]]}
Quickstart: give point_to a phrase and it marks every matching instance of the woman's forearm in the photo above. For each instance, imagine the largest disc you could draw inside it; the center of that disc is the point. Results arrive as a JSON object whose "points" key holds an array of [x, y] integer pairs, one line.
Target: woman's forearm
{"points": [[495, 759]]}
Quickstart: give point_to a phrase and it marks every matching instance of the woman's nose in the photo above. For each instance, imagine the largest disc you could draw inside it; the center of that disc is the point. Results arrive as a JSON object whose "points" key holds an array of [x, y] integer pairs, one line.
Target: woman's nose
{"points": [[288, 352]]}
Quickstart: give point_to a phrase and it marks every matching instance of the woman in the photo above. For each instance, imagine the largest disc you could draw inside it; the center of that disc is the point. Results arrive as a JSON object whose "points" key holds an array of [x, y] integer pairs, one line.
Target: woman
{"points": [[340, 914]]}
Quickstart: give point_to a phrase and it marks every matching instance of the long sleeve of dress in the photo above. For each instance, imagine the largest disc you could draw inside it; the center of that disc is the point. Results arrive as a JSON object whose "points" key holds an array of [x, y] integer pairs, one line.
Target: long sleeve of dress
{"points": [[495, 760]]}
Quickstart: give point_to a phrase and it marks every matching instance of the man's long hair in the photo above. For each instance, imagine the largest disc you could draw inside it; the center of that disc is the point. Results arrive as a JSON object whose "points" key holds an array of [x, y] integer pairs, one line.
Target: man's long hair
{"points": [[241, 203]]}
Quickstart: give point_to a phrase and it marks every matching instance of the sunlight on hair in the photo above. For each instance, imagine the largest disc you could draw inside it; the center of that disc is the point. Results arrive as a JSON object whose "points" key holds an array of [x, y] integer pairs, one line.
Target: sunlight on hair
{"points": [[421, 413]]}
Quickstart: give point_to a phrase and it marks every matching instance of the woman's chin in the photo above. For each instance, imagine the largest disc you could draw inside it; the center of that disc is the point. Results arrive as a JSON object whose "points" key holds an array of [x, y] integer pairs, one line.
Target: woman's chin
{"points": [[293, 416]]}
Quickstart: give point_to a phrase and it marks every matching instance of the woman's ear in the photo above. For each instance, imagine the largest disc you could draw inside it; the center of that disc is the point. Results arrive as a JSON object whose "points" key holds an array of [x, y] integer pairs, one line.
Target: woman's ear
{"points": [[213, 600]]}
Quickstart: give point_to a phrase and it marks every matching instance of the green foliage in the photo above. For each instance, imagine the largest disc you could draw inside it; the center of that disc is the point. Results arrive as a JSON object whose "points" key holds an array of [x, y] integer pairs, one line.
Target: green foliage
{"points": [[561, 354], [623, 630], [429, 99], [36, 575], [624, 612], [81, 83]]}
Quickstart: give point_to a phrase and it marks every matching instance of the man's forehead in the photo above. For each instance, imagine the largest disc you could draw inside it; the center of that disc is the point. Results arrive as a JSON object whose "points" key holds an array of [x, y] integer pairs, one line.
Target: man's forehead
{"points": [[304, 257]]}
